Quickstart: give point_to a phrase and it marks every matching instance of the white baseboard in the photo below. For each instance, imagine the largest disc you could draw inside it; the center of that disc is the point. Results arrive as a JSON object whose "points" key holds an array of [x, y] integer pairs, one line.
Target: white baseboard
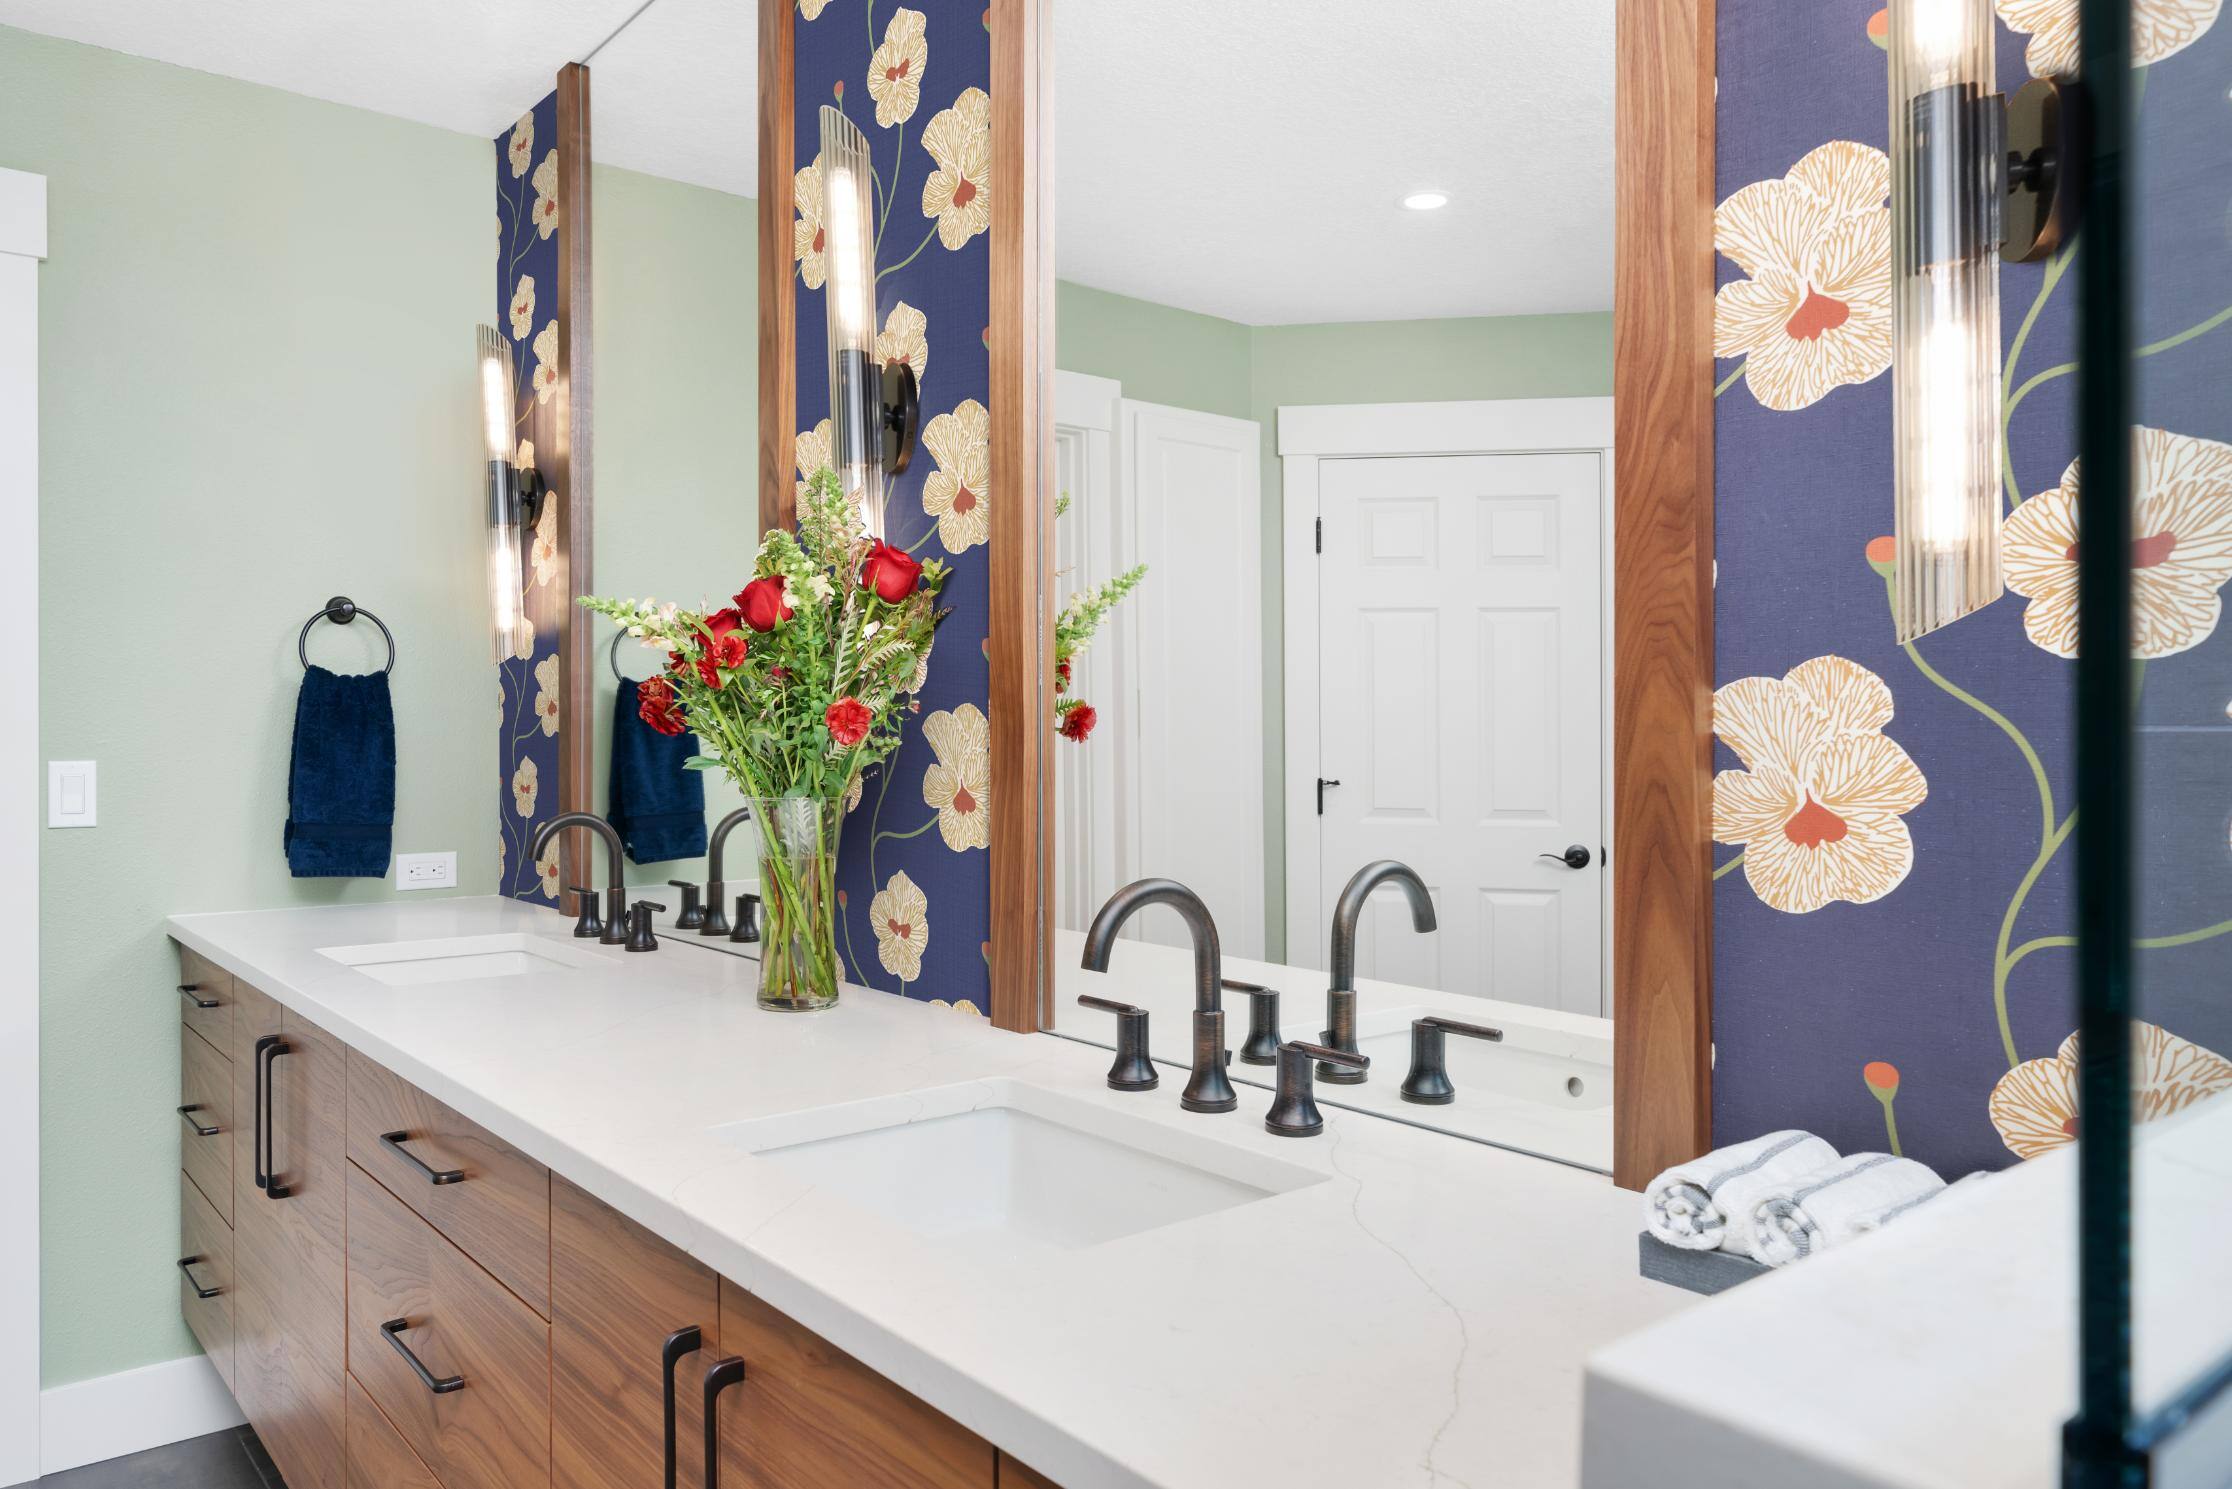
{"points": [[129, 1412]]}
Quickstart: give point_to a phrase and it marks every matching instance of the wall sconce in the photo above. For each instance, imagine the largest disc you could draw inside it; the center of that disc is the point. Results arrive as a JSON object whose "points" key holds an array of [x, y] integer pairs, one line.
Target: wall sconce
{"points": [[1975, 179], [874, 411], [515, 497]]}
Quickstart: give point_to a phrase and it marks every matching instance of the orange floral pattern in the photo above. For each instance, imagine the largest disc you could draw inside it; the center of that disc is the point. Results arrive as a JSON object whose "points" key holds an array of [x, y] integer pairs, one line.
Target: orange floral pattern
{"points": [[2158, 28], [2034, 1106], [959, 192]]}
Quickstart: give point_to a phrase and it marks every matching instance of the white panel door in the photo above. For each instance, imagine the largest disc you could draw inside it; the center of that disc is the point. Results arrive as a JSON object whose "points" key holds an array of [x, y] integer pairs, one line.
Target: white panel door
{"points": [[1192, 484], [1462, 699]]}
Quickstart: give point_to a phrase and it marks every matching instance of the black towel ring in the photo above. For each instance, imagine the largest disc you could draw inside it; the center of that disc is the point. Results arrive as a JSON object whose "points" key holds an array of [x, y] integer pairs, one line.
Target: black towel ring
{"points": [[612, 654], [342, 610]]}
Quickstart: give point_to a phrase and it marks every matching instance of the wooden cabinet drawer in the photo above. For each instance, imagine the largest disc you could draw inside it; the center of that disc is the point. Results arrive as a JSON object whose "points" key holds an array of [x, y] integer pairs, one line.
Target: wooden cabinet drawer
{"points": [[491, 1430], [1015, 1475], [205, 1097], [809, 1416], [617, 1294], [490, 1199], [200, 983], [379, 1458], [205, 1250]]}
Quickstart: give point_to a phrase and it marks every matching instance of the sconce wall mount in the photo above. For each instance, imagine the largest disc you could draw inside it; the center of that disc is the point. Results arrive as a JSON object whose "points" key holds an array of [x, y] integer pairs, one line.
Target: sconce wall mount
{"points": [[2044, 194]]}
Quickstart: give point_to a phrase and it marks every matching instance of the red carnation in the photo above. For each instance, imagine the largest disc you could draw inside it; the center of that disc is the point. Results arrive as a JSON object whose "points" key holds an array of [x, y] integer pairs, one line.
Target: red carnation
{"points": [[656, 706], [1077, 723], [890, 572], [848, 719], [762, 603]]}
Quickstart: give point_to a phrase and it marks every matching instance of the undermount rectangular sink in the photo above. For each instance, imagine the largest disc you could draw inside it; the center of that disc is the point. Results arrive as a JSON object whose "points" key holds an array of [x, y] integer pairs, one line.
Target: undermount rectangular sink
{"points": [[1013, 1164], [458, 959]]}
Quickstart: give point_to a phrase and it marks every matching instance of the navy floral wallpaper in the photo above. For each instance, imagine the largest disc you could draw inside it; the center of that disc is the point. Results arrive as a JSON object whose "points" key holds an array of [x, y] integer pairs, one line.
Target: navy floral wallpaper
{"points": [[1893, 899], [528, 221], [914, 862]]}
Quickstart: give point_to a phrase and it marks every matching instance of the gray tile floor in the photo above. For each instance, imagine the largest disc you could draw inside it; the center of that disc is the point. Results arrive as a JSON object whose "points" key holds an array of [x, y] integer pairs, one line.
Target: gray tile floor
{"points": [[222, 1460]]}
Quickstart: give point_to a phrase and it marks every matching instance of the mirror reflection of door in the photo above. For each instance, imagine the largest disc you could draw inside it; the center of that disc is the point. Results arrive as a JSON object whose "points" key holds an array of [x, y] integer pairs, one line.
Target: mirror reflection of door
{"points": [[1460, 707]]}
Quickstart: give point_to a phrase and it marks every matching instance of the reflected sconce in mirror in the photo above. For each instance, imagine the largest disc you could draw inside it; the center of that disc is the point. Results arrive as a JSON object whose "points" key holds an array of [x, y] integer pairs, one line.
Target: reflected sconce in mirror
{"points": [[515, 496], [1976, 178], [874, 409]]}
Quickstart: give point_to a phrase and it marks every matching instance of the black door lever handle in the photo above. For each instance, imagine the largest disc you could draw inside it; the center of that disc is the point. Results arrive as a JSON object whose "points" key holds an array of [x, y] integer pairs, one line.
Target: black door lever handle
{"points": [[1575, 857]]}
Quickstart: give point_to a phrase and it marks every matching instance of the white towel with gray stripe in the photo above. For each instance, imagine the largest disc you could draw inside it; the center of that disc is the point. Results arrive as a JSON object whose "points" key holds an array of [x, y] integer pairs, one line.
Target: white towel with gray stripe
{"points": [[1832, 1205], [1705, 1203]]}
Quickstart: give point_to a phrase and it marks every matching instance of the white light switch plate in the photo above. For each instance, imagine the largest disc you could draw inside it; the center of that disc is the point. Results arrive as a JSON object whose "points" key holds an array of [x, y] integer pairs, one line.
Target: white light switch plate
{"points": [[426, 871], [70, 793]]}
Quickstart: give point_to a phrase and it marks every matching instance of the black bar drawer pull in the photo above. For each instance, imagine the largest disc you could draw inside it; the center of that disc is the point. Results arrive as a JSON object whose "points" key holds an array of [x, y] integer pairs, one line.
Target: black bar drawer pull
{"points": [[679, 1343], [186, 1265], [394, 1141], [192, 993], [440, 1385], [269, 1048], [719, 1376], [200, 1129]]}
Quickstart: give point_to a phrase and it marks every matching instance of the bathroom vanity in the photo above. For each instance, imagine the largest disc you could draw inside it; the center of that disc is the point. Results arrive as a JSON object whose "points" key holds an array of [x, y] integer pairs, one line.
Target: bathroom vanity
{"points": [[463, 1194]]}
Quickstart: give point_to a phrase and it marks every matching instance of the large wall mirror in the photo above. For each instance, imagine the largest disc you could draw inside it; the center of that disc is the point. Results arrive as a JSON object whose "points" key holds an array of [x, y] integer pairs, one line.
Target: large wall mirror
{"points": [[1335, 365]]}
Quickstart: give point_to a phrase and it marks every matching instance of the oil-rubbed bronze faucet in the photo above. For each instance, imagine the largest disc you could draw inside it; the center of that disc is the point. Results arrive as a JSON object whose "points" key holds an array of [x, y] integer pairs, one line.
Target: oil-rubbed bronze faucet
{"points": [[1428, 1083], [1208, 1089], [1340, 993], [615, 931], [1294, 1109], [716, 921]]}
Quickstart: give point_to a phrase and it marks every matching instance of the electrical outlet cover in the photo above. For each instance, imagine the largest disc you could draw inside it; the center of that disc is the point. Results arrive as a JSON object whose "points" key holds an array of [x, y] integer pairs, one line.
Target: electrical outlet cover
{"points": [[426, 871]]}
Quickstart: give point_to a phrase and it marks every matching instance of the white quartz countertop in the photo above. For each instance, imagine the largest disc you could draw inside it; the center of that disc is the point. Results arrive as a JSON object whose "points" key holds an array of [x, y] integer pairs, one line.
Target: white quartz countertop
{"points": [[1418, 1318]]}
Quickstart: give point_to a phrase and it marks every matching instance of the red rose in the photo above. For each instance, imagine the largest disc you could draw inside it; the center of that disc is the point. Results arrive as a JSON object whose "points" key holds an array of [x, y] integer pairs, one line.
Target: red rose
{"points": [[848, 720], [890, 572], [1061, 677], [1078, 723], [655, 705], [721, 622], [762, 603]]}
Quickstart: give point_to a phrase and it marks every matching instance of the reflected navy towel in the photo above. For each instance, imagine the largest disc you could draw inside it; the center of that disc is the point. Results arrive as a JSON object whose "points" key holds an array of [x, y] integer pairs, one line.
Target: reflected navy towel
{"points": [[341, 777], [657, 804]]}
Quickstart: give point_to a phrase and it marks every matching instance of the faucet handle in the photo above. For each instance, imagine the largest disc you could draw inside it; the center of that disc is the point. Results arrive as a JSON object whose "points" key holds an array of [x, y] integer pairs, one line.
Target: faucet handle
{"points": [[1261, 1047], [1428, 1081], [747, 918], [1133, 1070], [1294, 1109], [639, 926], [588, 925], [692, 916]]}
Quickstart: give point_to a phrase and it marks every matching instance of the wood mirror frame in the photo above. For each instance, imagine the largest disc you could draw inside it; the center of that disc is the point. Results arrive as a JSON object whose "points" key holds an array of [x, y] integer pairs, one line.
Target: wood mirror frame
{"points": [[1663, 536]]}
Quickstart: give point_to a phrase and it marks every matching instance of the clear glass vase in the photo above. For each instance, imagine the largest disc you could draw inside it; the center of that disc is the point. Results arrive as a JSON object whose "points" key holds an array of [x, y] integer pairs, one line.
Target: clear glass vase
{"points": [[798, 901]]}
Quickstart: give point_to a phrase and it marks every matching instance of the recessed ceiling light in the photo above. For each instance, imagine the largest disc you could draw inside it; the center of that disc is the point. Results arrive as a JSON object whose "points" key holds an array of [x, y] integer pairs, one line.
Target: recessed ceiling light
{"points": [[1426, 201]]}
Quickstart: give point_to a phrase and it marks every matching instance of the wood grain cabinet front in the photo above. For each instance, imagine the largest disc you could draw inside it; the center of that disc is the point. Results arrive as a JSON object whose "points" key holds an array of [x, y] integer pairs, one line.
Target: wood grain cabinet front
{"points": [[379, 1458], [290, 1156], [205, 1275], [458, 1363], [1017, 1475], [485, 1195], [807, 1415], [205, 1115], [205, 994], [626, 1309]]}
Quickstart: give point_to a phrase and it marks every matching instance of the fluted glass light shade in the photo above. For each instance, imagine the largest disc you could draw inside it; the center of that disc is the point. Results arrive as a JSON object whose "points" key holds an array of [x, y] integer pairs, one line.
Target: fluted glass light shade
{"points": [[1947, 164], [504, 601], [855, 378]]}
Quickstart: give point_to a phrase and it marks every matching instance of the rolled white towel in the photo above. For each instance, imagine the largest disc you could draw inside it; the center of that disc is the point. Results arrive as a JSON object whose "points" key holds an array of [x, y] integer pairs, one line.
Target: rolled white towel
{"points": [[1701, 1204], [1847, 1198]]}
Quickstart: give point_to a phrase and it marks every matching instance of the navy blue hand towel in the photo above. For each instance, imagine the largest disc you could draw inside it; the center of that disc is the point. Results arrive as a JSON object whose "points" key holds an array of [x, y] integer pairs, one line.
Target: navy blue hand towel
{"points": [[657, 804], [341, 777]]}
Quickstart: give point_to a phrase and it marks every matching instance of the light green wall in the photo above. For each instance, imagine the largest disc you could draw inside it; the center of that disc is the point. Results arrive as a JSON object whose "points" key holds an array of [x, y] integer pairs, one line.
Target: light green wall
{"points": [[1177, 357], [675, 285], [256, 391]]}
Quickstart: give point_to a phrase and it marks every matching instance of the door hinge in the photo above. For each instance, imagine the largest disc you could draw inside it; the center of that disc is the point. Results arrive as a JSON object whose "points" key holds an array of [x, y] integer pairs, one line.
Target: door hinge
{"points": [[1321, 535]]}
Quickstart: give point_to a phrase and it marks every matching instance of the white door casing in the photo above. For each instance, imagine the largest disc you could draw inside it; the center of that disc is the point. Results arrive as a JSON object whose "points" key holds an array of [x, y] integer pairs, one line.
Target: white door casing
{"points": [[1191, 486], [1446, 662], [1093, 782], [22, 246]]}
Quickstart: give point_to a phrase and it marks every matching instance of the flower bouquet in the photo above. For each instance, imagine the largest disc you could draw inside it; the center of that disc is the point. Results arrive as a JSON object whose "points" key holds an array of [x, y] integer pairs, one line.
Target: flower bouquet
{"points": [[794, 690], [1074, 626]]}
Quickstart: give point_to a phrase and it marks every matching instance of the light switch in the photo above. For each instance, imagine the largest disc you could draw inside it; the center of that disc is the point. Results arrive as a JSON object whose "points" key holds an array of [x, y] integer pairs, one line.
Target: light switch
{"points": [[71, 793]]}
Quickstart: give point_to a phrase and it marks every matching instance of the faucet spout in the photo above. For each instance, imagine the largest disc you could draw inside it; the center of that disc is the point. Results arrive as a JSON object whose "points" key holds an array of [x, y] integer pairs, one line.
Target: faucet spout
{"points": [[716, 922], [1340, 992], [616, 891], [1208, 1089]]}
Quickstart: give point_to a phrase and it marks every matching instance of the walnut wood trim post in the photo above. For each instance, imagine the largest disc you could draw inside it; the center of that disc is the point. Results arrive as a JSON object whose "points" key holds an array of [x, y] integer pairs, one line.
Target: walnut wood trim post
{"points": [[1662, 937], [1022, 546], [574, 466], [778, 292]]}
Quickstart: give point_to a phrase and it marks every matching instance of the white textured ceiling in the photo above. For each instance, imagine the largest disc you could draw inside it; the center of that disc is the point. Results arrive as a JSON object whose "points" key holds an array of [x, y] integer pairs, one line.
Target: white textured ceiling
{"points": [[1240, 160], [1249, 160]]}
